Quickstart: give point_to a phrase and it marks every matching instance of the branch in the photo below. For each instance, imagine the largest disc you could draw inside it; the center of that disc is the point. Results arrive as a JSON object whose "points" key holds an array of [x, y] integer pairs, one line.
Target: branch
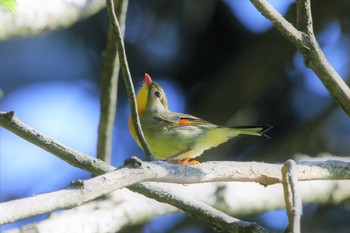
{"points": [[122, 209], [77, 193], [50, 15], [109, 215], [127, 79], [291, 196], [138, 171], [159, 171], [123, 206], [210, 171], [197, 208], [109, 87], [285, 28], [304, 17], [306, 43], [12, 123]]}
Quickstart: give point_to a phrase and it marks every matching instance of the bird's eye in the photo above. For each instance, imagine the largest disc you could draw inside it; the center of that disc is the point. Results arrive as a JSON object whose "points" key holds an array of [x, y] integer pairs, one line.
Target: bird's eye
{"points": [[158, 94]]}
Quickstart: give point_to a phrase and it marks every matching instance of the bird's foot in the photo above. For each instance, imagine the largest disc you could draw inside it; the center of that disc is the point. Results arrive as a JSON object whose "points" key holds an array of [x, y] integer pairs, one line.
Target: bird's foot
{"points": [[186, 161]]}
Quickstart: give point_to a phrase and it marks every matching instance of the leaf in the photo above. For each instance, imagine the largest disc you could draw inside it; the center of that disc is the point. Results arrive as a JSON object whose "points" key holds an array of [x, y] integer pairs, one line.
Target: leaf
{"points": [[10, 5]]}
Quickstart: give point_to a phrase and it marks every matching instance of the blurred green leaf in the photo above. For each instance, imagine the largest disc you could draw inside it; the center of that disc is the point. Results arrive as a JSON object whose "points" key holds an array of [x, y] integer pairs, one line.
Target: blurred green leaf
{"points": [[9, 4]]}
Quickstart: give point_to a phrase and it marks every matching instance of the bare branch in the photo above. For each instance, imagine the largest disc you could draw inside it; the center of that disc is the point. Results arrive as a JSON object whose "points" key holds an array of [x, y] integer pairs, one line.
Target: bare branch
{"points": [[12, 123], [286, 28], [210, 171], [127, 79], [236, 198], [109, 86], [197, 208], [307, 45], [77, 193], [122, 209], [166, 172], [291, 196]]}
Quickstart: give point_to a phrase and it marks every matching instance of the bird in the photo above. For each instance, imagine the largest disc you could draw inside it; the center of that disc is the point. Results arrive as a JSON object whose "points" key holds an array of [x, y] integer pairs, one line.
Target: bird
{"points": [[178, 137]]}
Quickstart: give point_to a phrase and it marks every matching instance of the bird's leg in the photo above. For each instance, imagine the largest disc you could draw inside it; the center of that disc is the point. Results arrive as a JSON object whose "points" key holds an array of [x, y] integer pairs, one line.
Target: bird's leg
{"points": [[186, 161], [173, 159]]}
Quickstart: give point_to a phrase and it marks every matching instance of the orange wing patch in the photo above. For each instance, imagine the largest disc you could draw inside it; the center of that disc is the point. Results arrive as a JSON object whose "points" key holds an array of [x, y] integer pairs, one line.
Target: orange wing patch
{"points": [[184, 121], [192, 121]]}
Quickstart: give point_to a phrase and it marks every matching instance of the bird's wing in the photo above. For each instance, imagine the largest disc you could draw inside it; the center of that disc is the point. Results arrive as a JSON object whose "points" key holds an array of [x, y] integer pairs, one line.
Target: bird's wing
{"points": [[180, 119]]}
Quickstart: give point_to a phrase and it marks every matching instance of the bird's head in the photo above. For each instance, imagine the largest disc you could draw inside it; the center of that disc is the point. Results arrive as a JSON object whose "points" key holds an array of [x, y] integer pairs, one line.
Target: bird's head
{"points": [[151, 97]]}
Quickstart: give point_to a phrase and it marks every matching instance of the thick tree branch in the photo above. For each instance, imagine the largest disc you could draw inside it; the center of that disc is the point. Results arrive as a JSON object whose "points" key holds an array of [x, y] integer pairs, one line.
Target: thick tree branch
{"points": [[127, 79], [159, 171], [291, 196], [109, 86], [305, 40]]}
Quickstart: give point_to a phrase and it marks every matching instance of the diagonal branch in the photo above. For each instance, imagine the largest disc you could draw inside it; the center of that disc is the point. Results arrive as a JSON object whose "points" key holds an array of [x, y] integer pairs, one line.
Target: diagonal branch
{"points": [[306, 43], [285, 27], [109, 87], [12, 123], [127, 79], [197, 208]]}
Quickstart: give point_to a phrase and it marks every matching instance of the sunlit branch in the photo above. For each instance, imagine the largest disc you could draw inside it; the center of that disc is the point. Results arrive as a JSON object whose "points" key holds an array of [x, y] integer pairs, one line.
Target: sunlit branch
{"points": [[124, 208]]}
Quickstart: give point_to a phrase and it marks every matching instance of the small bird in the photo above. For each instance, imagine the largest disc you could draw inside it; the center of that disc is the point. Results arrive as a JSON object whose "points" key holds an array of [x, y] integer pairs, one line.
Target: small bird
{"points": [[178, 137]]}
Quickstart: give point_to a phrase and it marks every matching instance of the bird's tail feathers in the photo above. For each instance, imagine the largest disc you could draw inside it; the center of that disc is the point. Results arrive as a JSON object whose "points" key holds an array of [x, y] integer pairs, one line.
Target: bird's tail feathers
{"points": [[253, 130]]}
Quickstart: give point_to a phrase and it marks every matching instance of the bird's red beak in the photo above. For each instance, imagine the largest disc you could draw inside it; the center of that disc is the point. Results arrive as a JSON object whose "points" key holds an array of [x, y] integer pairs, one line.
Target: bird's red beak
{"points": [[148, 80]]}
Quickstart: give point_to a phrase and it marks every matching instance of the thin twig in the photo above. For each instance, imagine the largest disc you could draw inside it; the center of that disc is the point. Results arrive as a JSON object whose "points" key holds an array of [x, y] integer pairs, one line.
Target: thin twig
{"points": [[127, 79], [109, 87], [197, 209], [291, 196], [306, 43]]}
